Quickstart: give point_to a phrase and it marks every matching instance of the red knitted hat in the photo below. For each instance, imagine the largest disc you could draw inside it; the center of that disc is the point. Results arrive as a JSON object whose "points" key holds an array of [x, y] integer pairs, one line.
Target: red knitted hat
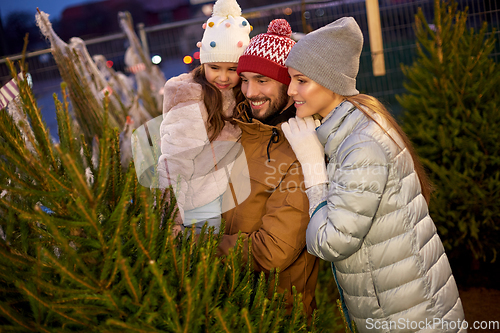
{"points": [[266, 53]]}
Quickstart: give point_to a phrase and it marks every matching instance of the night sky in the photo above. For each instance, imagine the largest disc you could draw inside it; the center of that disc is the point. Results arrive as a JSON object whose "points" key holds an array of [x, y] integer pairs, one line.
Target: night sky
{"points": [[52, 7]]}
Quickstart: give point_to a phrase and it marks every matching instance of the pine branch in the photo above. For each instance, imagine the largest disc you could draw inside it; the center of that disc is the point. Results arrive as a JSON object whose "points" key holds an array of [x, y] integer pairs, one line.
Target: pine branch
{"points": [[7, 311], [38, 126], [167, 294], [221, 321], [133, 225], [66, 273], [38, 300], [130, 327]]}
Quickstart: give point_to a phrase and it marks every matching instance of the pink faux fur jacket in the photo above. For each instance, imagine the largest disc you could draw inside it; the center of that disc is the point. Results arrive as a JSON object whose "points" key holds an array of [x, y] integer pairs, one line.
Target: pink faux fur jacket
{"points": [[188, 158]]}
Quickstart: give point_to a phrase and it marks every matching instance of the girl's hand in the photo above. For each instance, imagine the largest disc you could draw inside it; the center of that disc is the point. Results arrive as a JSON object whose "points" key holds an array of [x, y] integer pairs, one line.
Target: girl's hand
{"points": [[301, 134]]}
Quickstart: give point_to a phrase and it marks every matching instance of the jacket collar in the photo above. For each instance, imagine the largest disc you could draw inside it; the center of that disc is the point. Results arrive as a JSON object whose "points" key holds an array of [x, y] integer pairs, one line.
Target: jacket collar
{"points": [[281, 117], [338, 124], [244, 114], [271, 126]]}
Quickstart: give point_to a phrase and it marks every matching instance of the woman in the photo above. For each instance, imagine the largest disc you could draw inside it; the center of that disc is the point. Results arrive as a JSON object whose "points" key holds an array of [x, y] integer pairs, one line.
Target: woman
{"points": [[369, 205]]}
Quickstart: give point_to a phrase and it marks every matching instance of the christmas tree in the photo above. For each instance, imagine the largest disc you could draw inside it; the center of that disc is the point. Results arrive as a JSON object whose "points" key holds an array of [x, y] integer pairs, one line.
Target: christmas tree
{"points": [[452, 118], [84, 247]]}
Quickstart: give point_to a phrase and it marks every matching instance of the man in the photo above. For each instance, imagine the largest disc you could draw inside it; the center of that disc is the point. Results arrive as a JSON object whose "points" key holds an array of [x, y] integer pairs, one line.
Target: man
{"points": [[275, 215]]}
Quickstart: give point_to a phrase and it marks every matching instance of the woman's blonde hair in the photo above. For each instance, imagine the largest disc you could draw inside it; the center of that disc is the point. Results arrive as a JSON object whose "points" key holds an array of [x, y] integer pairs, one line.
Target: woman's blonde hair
{"points": [[376, 106]]}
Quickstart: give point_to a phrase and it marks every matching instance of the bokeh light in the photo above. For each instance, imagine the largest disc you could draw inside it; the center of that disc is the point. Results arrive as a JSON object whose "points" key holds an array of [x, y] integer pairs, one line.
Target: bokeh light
{"points": [[156, 59], [207, 9]]}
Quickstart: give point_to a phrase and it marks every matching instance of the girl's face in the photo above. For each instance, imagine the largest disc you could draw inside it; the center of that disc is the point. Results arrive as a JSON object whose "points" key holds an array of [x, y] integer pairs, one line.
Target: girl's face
{"points": [[222, 74], [311, 97]]}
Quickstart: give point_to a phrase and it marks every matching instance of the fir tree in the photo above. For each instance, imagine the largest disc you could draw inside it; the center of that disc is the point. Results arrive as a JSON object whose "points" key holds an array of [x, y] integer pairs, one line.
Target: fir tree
{"points": [[83, 86], [452, 117], [84, 247]]}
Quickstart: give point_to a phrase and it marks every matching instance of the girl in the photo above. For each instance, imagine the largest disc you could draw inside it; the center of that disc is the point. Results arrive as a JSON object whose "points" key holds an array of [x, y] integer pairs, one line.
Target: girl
{"points": [[369, 205], [196, 131]]}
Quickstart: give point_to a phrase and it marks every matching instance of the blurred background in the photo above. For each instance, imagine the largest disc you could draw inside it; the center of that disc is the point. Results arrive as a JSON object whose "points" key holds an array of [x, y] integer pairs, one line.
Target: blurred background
{"points": [[170, 29]]}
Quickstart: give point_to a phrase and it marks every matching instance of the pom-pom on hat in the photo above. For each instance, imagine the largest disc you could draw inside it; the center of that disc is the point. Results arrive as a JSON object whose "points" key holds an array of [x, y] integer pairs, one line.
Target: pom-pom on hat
{"points": [[266, 54], [330, 56], [226, 34]]}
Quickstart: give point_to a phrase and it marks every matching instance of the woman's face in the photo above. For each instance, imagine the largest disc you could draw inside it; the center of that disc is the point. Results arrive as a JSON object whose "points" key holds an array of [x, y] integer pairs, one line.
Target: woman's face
{"points": [[310, 97], [222, 74]]}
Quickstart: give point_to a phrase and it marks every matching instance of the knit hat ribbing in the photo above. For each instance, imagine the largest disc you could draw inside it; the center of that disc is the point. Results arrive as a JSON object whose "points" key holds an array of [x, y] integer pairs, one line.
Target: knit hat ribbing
{"points": [[226, 34], [266, 54], [330, 56]]}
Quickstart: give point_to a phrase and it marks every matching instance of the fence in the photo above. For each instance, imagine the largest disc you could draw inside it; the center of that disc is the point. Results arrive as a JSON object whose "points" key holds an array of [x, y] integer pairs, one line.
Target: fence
{"points": [[175, 40]]}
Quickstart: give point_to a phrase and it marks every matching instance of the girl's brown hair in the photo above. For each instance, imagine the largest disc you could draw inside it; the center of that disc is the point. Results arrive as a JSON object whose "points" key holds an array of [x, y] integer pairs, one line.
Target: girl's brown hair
{"points": [[376, 106], [212, 98]]}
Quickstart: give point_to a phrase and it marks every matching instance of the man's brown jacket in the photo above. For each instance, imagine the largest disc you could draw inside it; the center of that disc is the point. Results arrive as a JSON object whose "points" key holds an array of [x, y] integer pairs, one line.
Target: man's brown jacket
{"points": [[275, 215]]}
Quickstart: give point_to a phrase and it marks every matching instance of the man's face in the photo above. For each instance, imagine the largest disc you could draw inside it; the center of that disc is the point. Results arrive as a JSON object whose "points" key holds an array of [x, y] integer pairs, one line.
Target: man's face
{"points": [[266, 96]]}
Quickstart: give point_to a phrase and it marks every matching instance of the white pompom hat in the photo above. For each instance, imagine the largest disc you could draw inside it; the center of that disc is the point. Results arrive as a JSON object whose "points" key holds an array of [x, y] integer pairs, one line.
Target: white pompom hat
{"points": [[226, 34]]}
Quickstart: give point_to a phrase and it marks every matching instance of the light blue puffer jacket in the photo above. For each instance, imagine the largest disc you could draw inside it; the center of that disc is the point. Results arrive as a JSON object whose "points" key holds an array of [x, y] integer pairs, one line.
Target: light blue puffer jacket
{"points": [[376, 228]]}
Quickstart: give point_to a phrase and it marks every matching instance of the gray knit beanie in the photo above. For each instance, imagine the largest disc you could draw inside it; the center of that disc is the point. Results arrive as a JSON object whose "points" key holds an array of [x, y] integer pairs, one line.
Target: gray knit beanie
{"points": [[330, 56]]}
